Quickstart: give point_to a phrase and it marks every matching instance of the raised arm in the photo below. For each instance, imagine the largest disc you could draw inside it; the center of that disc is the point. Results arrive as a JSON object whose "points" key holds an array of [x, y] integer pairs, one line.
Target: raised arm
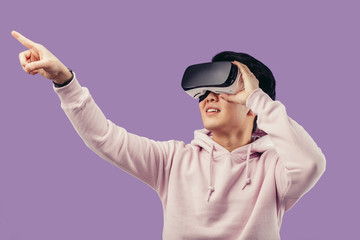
{"points": [[301, 162], [143, 158]]}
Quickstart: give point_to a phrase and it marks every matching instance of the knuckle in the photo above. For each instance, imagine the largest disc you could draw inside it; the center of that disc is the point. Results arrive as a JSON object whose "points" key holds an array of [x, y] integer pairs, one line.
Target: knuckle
{"points": [[47, 63], [39, 46], [22, 55]]}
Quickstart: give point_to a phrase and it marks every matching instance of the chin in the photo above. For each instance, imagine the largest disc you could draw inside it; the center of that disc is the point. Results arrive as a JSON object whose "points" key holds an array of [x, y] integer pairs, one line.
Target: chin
{"points": [[212, 127], [213, 124]]}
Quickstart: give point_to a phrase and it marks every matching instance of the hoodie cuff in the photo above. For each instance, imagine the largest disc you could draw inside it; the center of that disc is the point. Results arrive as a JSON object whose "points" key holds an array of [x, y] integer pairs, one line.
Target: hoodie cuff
{"points": [[70, 93], [255, 99]]}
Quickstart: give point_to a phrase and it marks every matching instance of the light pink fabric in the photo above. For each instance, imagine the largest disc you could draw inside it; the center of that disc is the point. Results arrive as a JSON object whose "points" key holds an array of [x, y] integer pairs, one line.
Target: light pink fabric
{"points": [[206, 191]]}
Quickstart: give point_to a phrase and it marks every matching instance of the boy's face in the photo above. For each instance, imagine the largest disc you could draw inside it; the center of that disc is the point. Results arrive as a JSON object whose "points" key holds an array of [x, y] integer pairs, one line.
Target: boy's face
{"points": [[222, 116]]}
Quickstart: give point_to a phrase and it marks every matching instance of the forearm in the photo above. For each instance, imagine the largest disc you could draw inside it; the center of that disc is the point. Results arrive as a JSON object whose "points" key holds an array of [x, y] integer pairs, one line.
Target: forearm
{"points": [[140, 157], [86, 117], [301, 158]]}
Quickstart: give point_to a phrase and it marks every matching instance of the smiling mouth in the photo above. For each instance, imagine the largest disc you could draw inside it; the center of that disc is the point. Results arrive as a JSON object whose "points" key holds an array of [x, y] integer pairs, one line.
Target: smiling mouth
{"points": [[212, 110]]}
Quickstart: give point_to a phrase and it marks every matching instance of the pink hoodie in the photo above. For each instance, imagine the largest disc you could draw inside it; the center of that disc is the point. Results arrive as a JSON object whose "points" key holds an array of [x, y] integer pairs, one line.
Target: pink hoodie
{"points": [[206, 191]]}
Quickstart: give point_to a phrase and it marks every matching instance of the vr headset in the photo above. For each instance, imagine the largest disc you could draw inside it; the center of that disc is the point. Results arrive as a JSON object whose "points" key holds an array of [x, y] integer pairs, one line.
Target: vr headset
{"points": [[218, 77]]}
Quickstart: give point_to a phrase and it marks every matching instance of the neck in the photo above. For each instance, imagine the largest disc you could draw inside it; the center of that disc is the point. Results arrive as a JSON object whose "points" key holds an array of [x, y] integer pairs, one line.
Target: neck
{"points": [[233, 139]]}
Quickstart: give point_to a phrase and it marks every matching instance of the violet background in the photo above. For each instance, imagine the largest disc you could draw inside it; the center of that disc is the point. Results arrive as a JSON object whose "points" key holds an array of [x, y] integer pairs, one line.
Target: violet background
{"points": [[131, 55]]}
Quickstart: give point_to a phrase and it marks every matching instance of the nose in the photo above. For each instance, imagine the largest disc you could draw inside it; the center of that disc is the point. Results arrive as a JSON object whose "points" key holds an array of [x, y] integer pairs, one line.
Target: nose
{"points": [[212, 97]]}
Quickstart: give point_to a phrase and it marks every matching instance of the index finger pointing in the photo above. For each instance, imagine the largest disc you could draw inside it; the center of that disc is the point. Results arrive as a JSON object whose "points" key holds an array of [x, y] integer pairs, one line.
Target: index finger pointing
{"points": [[23, 40]]}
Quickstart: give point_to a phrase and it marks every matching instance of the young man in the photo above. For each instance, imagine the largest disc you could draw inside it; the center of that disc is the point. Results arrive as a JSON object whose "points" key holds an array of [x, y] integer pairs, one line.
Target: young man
{"points": [[235, 180]]}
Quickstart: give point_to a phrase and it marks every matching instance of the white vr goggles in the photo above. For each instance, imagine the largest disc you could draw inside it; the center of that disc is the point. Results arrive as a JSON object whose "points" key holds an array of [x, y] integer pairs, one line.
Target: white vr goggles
{"points": [[218, 77]]}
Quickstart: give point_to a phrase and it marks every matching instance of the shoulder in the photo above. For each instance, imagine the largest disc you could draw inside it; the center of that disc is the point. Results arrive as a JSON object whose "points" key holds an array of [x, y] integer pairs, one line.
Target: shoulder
{"points": [[270, 154], [270, 158]]}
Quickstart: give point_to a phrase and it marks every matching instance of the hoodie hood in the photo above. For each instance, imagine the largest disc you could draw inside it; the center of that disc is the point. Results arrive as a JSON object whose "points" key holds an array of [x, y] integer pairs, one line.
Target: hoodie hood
{"points": [[260, 142]]}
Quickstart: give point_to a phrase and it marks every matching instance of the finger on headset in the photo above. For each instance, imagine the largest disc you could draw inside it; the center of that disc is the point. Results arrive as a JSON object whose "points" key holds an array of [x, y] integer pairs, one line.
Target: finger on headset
{"points": [[243, 68]]}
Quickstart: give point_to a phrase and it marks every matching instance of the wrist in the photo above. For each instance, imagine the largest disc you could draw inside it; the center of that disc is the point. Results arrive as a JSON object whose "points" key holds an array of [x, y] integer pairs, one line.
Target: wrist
{"points": [[63, 76], [62, 83]]}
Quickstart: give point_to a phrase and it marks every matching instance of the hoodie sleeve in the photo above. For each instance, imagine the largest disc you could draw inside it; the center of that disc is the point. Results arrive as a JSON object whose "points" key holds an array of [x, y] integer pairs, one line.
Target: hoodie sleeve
{"points": [[301, 162], [141, 157]]}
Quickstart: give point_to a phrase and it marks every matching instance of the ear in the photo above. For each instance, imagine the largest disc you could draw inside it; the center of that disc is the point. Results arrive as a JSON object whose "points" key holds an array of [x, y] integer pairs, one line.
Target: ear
{"points": [[250, 113]]}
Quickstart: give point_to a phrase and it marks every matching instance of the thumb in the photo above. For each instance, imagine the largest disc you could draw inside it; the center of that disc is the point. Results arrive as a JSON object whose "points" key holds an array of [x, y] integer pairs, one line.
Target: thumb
{"points": [[36, 65], [239, 97], [229, 97]]}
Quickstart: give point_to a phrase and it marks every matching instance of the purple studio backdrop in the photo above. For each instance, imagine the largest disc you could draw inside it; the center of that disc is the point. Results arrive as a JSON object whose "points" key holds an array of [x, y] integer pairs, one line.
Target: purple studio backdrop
{"points": [[131, 55]]}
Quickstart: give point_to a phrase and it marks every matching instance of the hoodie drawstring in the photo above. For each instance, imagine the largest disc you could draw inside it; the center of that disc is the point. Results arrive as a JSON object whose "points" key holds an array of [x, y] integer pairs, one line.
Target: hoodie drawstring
{"points": [[248, 179], [211, 187]]}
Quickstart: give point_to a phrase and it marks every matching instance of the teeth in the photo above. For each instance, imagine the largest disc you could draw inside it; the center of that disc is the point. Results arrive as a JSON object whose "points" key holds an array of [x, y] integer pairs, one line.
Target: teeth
{"points": [[212, 110]]}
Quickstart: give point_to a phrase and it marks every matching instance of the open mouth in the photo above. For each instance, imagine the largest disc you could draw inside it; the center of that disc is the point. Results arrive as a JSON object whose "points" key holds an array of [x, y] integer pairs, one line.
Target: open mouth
{"points": [[212, 110]]}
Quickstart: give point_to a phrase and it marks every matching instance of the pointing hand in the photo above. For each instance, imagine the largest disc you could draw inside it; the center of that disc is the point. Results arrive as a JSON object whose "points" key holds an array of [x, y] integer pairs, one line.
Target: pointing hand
{"points": [[37, 59]]}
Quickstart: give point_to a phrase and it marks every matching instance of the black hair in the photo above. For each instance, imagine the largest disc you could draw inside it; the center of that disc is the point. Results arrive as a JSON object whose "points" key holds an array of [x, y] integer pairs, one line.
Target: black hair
{"points": [[262, 73]]}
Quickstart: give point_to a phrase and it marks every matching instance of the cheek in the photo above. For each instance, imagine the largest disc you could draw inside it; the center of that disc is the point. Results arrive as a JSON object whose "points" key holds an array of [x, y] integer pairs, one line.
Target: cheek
{"points": [[236, 113], [200, 109], [201, 106]]}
